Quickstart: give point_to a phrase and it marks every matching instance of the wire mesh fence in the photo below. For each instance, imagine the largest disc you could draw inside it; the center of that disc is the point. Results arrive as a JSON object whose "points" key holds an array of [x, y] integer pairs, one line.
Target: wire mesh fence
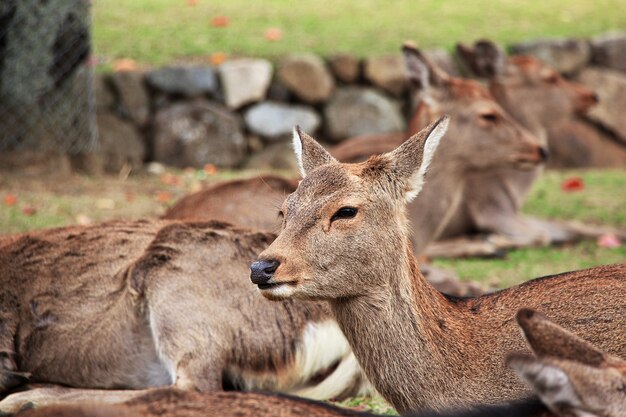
{"points": [[46, 93]]}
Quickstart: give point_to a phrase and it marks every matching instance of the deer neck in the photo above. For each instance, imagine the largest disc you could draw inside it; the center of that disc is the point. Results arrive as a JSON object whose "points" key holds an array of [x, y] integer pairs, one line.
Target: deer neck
{"points": [[407, 337]]}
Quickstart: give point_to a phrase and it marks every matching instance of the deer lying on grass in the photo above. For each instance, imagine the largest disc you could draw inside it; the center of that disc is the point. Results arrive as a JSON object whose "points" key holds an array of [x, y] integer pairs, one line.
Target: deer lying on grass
{"points": [[542, 100], [145, 303], [345, 239], [482, 138], [571, 377]]}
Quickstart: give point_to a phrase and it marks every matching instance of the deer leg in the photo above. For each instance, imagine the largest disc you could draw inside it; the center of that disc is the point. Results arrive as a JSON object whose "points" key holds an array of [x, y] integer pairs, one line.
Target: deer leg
{"points": [[186, 347], [55, 394], [517, 229]]}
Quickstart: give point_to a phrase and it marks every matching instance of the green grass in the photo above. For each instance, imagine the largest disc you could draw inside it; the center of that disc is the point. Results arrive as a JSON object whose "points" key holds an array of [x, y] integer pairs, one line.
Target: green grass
{"points": [[159, 31]]}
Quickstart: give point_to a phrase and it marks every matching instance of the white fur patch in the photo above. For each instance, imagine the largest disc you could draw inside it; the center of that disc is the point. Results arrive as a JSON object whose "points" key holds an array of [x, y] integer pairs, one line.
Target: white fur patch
{"points": [[416, 181], [320, 345], [163, 372], [297, 148]]}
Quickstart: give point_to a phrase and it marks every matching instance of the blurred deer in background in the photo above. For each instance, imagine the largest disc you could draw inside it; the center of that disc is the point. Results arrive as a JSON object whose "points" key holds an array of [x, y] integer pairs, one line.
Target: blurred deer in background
{"points": [[549, 105]]}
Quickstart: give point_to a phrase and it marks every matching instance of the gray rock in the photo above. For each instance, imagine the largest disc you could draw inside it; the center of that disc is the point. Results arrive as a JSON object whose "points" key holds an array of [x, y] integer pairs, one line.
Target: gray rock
{"points": [[610, 86], [610, 51], [307, 77], [565, 55], [275, 156], [275, 121], [198, 133], [345, 67], [133, 97], [387, 72], [245, 80], [189, 81], [357, 111], [120, 145]]}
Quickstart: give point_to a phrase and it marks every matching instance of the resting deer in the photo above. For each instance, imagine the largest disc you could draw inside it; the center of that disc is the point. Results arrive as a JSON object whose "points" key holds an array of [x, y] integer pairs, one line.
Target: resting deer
{"points": [[571, 377], [482, 139], [138, 304], [543, 101], [345, 239]]}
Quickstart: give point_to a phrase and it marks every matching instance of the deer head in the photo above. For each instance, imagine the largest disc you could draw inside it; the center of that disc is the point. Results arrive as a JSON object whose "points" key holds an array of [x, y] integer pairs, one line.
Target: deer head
{"points": [[343, 217], [526, 87], [482, 135], [571, 376]]}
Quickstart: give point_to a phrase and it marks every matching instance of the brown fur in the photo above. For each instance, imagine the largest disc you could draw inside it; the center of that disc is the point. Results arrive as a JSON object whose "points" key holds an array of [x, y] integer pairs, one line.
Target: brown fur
{"points": [[135, 304], [418, 347], [253, 202]]}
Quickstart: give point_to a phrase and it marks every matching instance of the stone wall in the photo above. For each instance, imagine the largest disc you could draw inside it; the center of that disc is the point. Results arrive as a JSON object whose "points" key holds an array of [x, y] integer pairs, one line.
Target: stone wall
{"points": [[241, 113]]}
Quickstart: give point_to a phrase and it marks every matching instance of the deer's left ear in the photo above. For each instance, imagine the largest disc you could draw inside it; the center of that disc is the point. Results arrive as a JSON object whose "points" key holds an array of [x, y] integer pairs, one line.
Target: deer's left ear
{"points": [[309, 153], [410, 160]]}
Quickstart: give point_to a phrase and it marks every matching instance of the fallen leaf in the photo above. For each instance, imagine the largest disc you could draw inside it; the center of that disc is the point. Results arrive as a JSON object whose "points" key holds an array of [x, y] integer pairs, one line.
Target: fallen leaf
{"points": [[83, 220], [10, 200], [609, 240], [163, 197], [125, 64], [573, 184], [29, 210], [220, 21], [170, 179], [273, 34], [217, 58], [210, 169], [192, 2]]}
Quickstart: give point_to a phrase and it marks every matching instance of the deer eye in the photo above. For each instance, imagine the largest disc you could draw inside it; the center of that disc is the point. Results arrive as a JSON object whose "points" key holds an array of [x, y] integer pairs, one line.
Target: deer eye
{"points": [[344, 213], [489, 117]]}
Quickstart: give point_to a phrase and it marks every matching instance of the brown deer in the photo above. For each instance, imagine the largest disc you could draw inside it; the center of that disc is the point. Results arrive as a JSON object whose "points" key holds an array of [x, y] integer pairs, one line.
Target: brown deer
{"points": [[482, 138], [345, 239], [571, 377], [151, 303], [543, 101]]}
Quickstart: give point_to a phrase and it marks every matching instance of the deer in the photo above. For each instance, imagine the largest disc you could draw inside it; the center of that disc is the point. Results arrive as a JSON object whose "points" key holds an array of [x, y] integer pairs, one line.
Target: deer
{"points": [[569, 375], [139, 304], [543, 101], [345, 239], [486, 139]]}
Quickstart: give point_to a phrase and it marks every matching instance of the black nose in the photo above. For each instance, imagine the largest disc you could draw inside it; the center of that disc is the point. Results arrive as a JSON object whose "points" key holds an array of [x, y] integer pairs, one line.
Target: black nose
{"points": [[263, 270], [543, 153]]}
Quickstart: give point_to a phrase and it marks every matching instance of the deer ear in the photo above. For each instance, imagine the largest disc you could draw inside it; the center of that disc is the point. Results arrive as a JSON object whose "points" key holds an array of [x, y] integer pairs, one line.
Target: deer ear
{"points": [[420, 71], [549, 381], [490, 58], [549, 339], [411, 159], [309, 153]]}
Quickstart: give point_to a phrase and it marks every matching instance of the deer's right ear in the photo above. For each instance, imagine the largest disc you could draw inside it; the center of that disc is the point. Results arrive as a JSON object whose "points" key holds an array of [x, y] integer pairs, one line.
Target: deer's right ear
{"points": [[548, 381], [309, 153], [549, 339], [410, 160]]}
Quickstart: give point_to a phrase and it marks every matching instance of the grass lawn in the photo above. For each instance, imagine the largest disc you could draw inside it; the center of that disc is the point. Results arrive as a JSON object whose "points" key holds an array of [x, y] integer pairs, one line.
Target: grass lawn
{"points": [[158, 31]]}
